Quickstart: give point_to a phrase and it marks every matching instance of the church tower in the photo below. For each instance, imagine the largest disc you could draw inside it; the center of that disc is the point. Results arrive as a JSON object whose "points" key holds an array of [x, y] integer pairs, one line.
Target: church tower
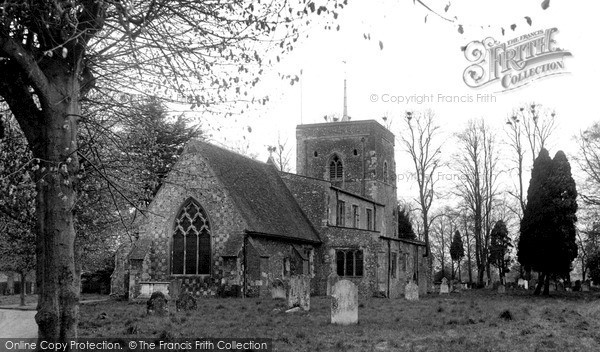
{"points": [[357, 156]]}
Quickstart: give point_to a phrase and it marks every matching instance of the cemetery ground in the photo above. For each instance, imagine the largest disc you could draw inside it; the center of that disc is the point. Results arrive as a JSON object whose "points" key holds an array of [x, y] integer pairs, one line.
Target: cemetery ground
{"points": [[477, 320]]}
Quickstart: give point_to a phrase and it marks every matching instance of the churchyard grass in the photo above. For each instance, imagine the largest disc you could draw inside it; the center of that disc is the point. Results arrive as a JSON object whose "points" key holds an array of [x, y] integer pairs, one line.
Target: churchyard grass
{"points": [[478, 320], [31, 299]]}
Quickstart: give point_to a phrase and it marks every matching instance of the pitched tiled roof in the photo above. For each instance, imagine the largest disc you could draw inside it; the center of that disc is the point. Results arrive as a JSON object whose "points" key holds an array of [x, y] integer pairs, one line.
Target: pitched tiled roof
{"points": [[261, 197]]}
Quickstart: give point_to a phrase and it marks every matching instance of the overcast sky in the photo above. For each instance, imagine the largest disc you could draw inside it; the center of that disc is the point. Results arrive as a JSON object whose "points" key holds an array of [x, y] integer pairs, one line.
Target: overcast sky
{"points": [[423, 59]]}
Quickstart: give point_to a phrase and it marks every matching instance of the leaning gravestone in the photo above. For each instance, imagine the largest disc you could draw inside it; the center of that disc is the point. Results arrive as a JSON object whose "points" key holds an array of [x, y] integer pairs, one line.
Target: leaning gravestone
{"points": [[501, 289], [186, 302], [444, 286], [278, 289], [298, 292], [344, 303], [411, 291], [157, 304], [332, 279]]}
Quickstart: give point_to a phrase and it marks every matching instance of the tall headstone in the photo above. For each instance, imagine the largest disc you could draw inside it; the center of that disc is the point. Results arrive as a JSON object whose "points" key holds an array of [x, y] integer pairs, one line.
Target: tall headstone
{"points": [[332, 279], [278, 289], [344, 303], [411, 291], [298, 292], [444, 286]]}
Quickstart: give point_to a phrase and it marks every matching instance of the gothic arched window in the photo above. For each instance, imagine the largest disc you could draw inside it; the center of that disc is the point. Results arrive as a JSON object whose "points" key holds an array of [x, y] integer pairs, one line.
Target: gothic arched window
{"points": [[336, 169], [191, 241]]}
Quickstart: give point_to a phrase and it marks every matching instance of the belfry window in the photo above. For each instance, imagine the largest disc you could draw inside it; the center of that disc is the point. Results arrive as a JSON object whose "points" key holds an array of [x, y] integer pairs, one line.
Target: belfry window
{"points": [[336, 169], [191, 253]]}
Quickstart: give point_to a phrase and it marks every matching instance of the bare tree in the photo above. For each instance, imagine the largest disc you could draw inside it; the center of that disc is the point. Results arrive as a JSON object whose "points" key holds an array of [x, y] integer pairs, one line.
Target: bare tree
{"points": [[477, 164], [528, 130], [444, 223], [588, 159], [421, 140], [282, 154], [55, 52]]}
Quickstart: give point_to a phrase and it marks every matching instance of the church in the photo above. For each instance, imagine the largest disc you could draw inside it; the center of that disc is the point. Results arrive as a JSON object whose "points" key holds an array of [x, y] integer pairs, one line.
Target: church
{"points": [[226, 225]]}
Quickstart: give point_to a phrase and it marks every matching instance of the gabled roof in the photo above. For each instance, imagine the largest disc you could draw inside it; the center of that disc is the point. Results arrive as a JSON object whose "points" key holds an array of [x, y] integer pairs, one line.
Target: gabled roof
{"points": [[259, 193]]}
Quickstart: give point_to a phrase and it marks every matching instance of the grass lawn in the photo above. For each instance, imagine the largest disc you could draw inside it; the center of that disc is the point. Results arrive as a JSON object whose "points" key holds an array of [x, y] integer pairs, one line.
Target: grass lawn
{"points": [[31, 300], [470, 321]]}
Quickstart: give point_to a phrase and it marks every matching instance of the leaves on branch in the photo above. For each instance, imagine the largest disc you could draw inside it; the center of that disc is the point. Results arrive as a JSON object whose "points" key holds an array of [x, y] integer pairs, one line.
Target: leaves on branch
{"points": [[545, 4]]}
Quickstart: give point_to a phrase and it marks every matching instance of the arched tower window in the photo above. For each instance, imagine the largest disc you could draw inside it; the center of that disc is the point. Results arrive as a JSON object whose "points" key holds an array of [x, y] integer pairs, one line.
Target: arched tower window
{"points": [[336, 169], [385, 171], [191, 241]]}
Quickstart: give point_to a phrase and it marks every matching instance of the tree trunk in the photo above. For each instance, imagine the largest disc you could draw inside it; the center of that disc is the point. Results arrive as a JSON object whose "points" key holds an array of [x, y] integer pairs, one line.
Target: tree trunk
{"points": [[547, 285], [23, 288], [540, 284], [10, 283], [58, 303]]}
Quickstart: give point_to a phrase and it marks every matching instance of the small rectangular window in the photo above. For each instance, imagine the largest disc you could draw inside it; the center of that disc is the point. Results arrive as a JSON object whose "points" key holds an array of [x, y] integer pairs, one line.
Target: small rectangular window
{"points": [[369, 219], [349, 262], [340, 219], [355, 216]]}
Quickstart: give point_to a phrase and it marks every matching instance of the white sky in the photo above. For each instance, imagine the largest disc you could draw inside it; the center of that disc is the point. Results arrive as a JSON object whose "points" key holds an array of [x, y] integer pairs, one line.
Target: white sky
{"points": [[421, 58]]}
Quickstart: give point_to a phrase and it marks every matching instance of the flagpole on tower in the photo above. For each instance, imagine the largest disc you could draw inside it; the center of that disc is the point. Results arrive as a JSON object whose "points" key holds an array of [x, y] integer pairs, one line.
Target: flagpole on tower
{"points": [[301, 103], [345, 110]]}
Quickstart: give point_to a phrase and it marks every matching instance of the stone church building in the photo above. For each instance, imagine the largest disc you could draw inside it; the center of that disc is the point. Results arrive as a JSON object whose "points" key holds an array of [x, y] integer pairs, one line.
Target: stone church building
{"points": [[224, 224]]}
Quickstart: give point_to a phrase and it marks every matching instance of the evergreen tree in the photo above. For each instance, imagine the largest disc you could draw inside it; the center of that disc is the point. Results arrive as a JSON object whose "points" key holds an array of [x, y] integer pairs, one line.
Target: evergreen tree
{"points": [[155, 140], [499, 248], [547, 241], [457, 249], [405, 229], [593, 265]]}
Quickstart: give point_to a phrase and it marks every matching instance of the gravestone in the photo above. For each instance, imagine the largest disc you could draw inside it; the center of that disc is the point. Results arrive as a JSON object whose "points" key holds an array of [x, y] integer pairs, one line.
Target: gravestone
{"points": [[411, 291], [332, 279], [157, 304], [533, 283], [444, 286], [456, 286], [560, 286], [344, 303], [585, 286], [577, 286], [278, 289], [298, 292], [522, 283], [186, 302], [501, 289]]}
